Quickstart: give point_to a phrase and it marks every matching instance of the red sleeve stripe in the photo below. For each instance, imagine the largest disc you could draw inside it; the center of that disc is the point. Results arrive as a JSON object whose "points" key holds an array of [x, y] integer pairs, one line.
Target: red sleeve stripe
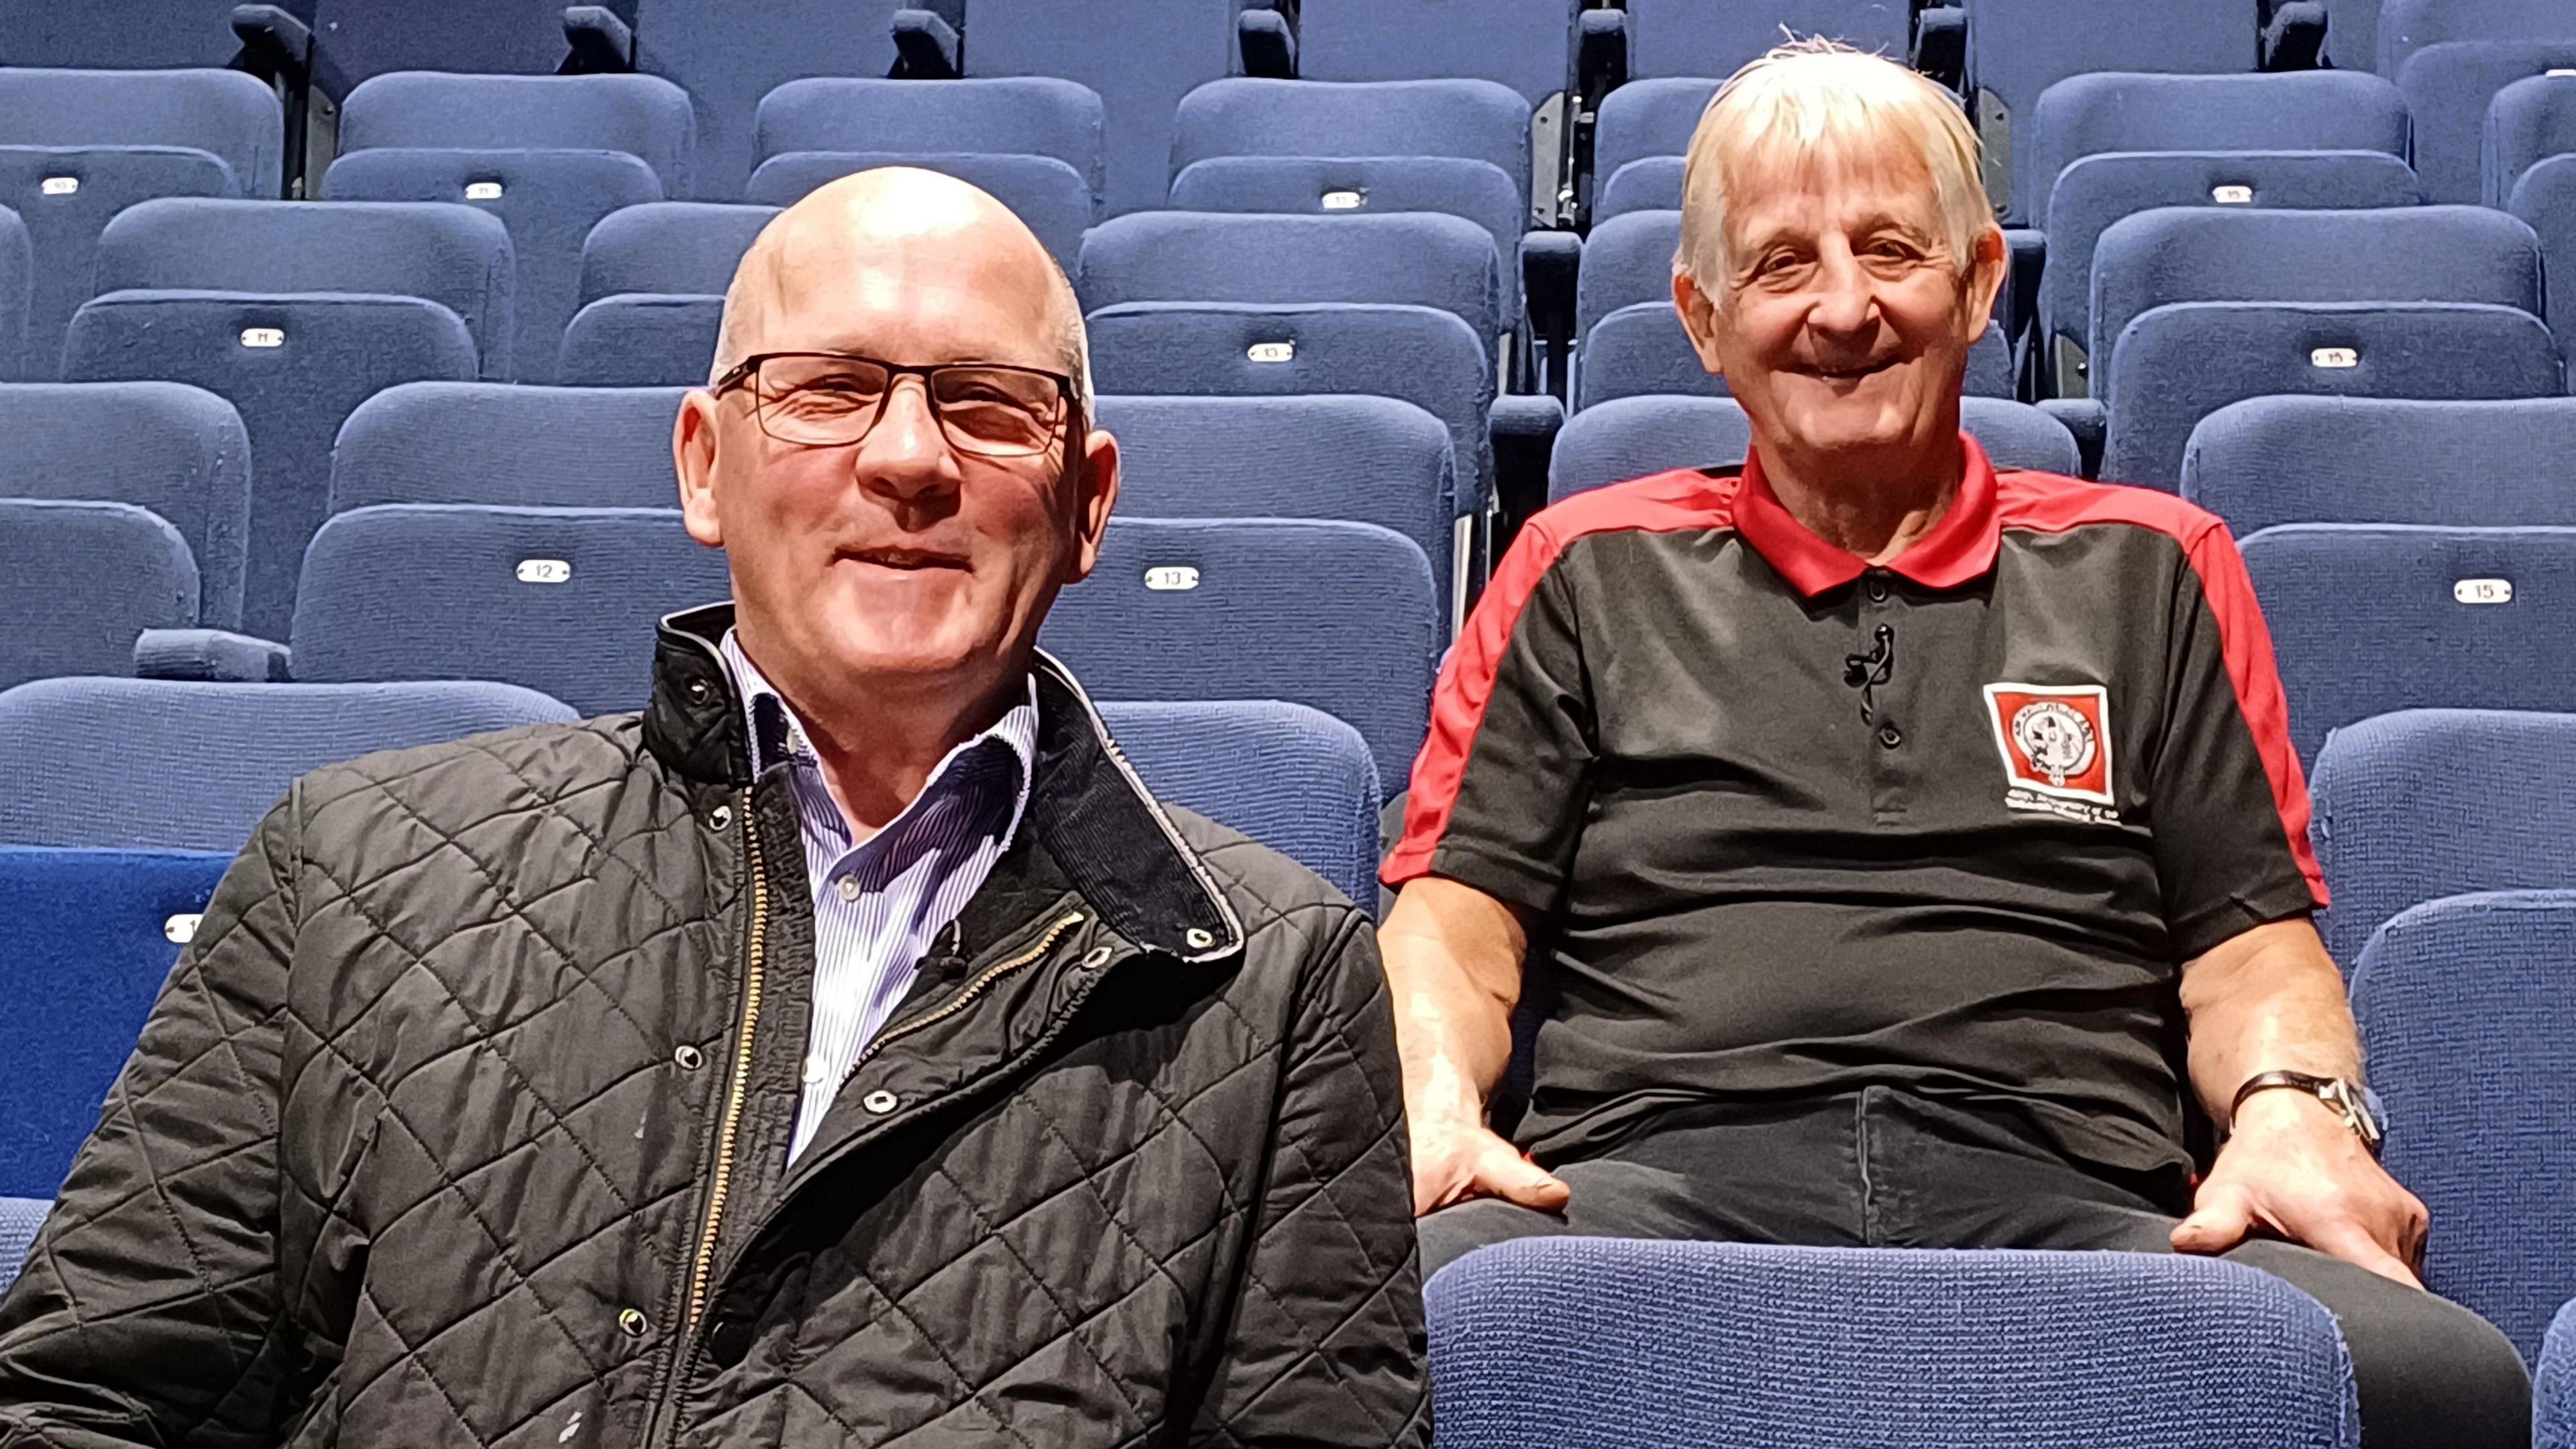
{"points": [[1661, 503]]}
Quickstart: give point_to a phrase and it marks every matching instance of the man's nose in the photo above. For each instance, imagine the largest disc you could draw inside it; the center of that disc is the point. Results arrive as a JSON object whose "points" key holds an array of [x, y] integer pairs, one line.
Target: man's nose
{"points": [[906, 454], [1846, 295]]}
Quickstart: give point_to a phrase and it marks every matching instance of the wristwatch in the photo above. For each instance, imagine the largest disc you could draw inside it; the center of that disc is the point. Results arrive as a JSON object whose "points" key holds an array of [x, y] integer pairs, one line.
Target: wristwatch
{"points": [[2355, 1103]]}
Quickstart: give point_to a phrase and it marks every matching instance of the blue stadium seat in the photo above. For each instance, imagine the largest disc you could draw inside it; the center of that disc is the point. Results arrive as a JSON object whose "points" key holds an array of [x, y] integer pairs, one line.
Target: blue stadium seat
{"points": [[2463, 1005], [1640, 350], [1021, 116], [136, 764], [66, 195], [2544, 196], [1627, 260], [1042, 191], [642, 339], [1389, 463], [669, 247], [1474, 120], [360, 40], [2448, 89], [2017, 49], [1634, 436], [1696, 38], [21, 1218], [178, 451], [293, 366], [1525, 44], [559, 600], [2100, 189], [225, 113], [2409, 26], [509, 446], [17, 263], [2369, 618], [642, 116], [126, 34], [1295, 779], [79, 580], [2178, 363], [1645, 120], [2528, 122], [1606, 1343], [1366, 185], [1649, 183], [2554, 1385], [93, 935], [2419, 804], [2273, 460], [549, 200], [1339, 616], [1416, 259]]}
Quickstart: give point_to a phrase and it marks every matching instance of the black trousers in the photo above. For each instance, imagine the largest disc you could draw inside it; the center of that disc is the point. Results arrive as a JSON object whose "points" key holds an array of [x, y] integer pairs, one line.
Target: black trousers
{"points": [[1885, 1169]]}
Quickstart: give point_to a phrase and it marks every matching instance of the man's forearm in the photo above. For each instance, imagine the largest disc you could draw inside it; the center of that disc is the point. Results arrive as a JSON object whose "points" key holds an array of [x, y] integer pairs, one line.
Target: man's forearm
{"points": [[2268, 1000], [1453, 958]]}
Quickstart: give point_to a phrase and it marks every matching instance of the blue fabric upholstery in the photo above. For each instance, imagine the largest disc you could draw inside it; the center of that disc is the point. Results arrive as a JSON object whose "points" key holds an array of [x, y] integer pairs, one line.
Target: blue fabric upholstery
{"points": [[1641, 349], [459, 591], [1293, 778], [1524, 44], [2241, 254], [21, 1218], [2554, 1385], [1422, 355], [2448, 88], [1696, 38], [727, 65], [1023, 116], [679, 247], [643, 116], [131, 764], [1627, 260], [2544, 196], [2419, 804], [447, 253], [549, 200], [80, 579], [2102, 188], [642, 339], [1608, 1343], [2528, 121], [93, 935], [17, 287], [510, 446], [2409, 26], [66, 195], [2316, 110], [1633, 436], [2464, 1005], [128, 34], [1649, 183], [1418, 259], [1477, 120], [1340, 616], [2177, 364], [1648, 118], [2365, 619], [1140, 58], [1042, 191], [2274, 460], [178, 451], [224, 112], [331, 352], [364, 39]]}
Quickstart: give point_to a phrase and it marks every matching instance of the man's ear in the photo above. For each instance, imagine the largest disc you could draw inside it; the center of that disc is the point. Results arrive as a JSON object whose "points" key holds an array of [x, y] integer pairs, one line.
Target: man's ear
{"points": [[693, 457], [1699, 319], [1988, 268], [1095, 489]]}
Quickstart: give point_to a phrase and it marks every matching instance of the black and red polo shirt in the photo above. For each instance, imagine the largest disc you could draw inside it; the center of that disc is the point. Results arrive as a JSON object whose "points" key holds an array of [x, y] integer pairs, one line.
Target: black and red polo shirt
{"points": [[1793, 826]]}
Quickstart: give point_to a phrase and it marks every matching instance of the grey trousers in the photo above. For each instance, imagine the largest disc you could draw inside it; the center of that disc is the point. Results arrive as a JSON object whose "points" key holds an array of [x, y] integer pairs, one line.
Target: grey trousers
{"points": [[1884, 1169]]}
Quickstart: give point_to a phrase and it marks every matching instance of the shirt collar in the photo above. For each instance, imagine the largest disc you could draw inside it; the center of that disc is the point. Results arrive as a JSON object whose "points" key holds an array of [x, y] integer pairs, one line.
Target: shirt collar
{"points": [[1959, 548]]}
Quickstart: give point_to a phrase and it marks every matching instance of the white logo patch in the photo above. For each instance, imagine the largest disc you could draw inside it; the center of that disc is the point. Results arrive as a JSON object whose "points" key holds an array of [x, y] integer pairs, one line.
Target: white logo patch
{"points": [[2055, 740]]}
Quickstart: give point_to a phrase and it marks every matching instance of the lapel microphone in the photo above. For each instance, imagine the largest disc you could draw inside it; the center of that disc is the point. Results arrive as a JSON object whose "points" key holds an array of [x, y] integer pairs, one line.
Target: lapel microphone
{"points": [[1865, 672]]}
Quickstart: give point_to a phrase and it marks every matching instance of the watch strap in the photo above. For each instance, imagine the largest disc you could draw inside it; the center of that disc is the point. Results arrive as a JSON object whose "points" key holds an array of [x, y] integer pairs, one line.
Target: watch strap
{"points": [[2346, 1097]]}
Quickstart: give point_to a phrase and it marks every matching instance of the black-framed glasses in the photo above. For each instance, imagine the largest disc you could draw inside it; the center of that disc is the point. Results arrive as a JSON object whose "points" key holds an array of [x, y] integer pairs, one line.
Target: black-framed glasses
{"points": [[829, 400]]}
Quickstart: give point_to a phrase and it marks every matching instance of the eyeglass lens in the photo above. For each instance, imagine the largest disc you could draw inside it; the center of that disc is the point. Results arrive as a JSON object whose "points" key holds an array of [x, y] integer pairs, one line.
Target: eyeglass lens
{"points": [[830, 401]]}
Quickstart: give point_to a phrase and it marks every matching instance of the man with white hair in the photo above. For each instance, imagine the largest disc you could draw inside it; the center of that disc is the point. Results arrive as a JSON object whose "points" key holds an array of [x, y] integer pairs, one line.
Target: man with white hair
{"points": [[1904, 844]]}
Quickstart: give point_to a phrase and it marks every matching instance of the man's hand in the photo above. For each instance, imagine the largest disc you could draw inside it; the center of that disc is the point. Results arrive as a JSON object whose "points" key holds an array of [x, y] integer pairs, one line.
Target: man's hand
{"points": [[2294, 1167], [1456, 1158]]}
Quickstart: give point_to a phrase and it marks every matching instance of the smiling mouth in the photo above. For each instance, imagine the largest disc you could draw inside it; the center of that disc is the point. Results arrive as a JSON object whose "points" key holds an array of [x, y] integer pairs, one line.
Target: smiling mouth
{"points": [[910, 559], [1853, 373]]}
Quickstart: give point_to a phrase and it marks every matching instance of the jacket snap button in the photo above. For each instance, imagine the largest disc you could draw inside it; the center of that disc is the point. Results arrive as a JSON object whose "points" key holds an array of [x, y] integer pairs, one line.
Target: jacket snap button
{"points": [[1095, 958], [728, 1341], [880, 1101], [720, 819], [1890, 736], [689, 1058], [631, 1322], [700, 691], [1198, 938]]}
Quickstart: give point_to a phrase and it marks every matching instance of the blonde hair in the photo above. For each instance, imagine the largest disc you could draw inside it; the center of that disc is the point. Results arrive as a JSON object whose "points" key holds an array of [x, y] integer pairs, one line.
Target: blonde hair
{"points": [[1812, 96]]}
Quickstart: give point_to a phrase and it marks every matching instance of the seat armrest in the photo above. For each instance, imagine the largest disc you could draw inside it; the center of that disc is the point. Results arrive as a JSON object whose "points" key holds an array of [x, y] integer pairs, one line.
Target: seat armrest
{"points": [[1551, 261], [2295, 37], [1269, 41], [929, 44], [275, 41], [211, 655], [601, 42], [1523, 430], [1600, 52], [2027, 247], [2090, 423], [1941, 45]]}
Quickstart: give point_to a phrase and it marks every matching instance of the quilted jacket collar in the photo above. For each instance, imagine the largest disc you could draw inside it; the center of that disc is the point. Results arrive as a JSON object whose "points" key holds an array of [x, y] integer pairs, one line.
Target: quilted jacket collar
{"points": [[1103, 827]]}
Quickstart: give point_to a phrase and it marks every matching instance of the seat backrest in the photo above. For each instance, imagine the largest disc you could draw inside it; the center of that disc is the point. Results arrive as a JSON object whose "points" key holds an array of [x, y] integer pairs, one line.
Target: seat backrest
{"points": [[1641, 349], [2553, 1385], [293, 367], [1696, 38], [136, 763], [66, 195], [364, 39], [2409, 26], [642, 339], [2315, 110], [93, 936], [1415, 259], [127, 34], [727, 65], [549, 201], [1627, 260], [1649, 183], [2098, 190], [1011, 116], [680, 247], [2463, 1005], [2274, 460], [178, 451], [1047, 194], [1291, 777], [2244, 254], [224, 112], [2545, 198], [2367, 618], [643, 116], [2419, 804], [2448, 88], [1140, 57], [1725, 1343], [1389, 463], [560, 600], [1474, 120], [21, 1219], [1527, 45], [448, 253], [1648, 118], [79, 580], [1631, 437], [1340, 616], [513, 446], [2528, 122]]}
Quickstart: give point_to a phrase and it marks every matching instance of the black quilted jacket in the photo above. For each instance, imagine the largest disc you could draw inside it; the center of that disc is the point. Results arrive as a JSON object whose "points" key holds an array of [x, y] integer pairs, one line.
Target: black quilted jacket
{"points": [[464, 1121]]}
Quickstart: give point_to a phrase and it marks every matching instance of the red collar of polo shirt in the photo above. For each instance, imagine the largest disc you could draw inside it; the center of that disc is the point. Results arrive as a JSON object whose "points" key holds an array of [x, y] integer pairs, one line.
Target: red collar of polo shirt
{"points": [[1960, 547]]}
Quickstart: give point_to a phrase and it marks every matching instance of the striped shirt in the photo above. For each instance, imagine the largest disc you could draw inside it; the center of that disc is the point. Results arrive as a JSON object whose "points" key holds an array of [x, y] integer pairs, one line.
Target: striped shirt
{"points": [[879, 903]]}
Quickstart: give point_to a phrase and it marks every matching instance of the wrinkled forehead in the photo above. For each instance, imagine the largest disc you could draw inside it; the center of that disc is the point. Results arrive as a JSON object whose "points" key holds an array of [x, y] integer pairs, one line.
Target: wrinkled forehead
{"points": [[1831, 177], [912, 295]]}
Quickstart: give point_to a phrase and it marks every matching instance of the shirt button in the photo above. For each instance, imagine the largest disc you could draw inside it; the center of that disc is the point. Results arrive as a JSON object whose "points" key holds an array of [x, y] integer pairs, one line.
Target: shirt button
{"points": [[816, 1069], [847, 887], [1890, 736], [1877, 590], [880, 1102]]}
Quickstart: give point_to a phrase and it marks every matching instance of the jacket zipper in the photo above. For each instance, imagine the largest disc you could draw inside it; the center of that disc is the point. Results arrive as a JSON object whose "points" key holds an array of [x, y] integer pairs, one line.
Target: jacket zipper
{"points": [[965, 998], [740, 1087]]}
